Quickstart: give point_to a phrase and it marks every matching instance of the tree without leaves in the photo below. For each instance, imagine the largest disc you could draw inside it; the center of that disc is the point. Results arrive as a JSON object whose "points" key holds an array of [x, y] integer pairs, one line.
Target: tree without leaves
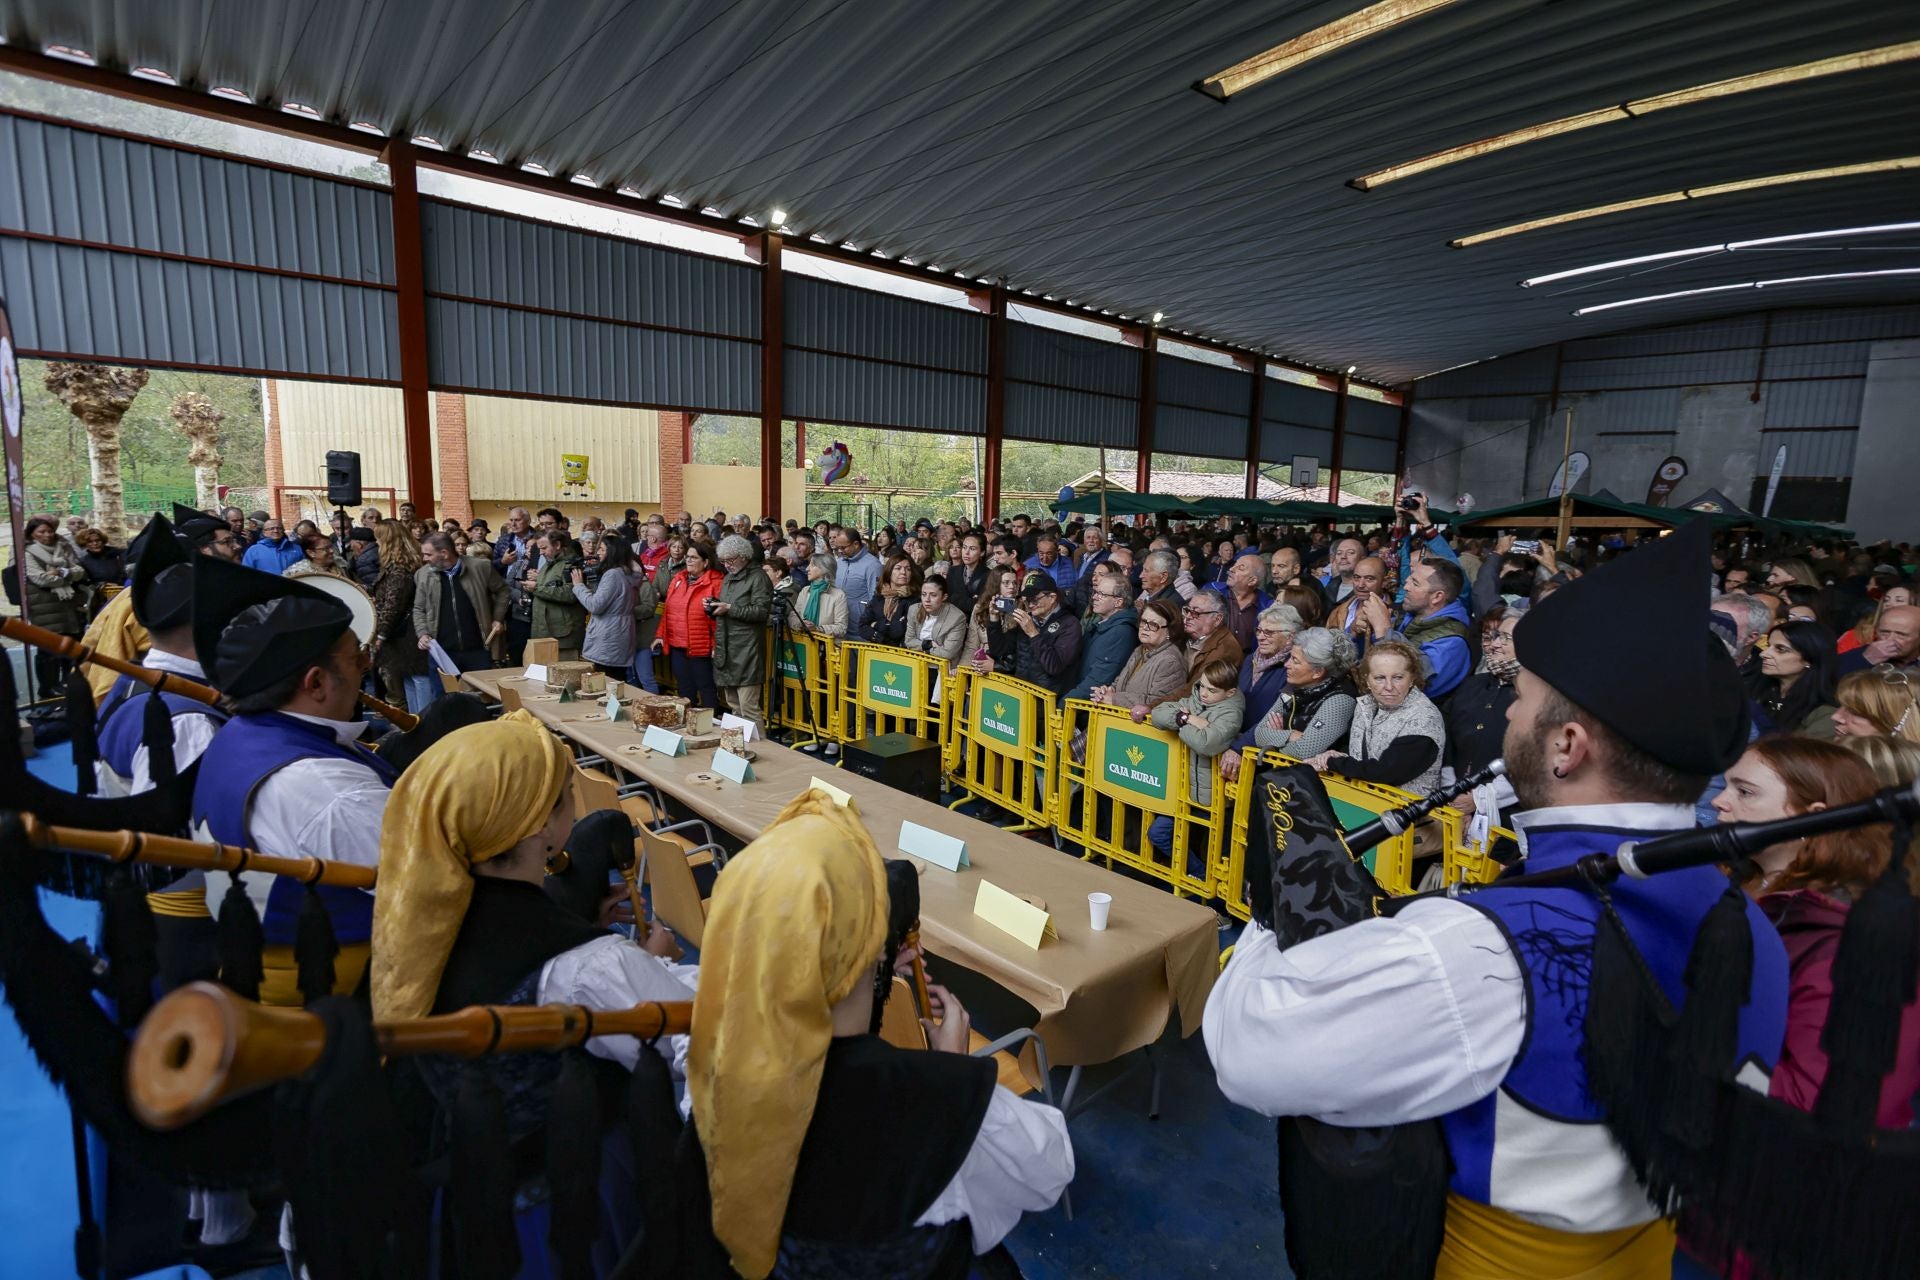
{"points": [[99, 395]]}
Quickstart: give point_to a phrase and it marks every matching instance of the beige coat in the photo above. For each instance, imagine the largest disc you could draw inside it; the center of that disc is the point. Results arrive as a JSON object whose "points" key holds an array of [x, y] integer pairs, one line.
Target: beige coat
{"points": [[949, 632]]}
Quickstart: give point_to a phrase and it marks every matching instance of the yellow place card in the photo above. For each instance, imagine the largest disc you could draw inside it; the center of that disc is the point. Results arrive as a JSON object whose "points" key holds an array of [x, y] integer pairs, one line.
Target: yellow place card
{"points": [[665, 741], [732, 767], [1014, 914], [840, 797]]}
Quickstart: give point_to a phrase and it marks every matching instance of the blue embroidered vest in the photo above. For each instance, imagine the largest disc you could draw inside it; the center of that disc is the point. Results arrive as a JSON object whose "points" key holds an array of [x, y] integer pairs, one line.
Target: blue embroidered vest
{"points": [[1551, 931], [247, 751], [122, 718]]}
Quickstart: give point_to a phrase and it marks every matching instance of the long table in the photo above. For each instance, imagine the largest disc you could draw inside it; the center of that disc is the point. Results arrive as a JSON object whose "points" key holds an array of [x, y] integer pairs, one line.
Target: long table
{"points": [[1099, 995]]}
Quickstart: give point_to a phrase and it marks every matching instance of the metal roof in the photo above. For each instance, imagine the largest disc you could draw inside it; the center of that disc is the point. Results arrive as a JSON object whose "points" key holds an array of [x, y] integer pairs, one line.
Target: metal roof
{"points": [[1061, 147]]}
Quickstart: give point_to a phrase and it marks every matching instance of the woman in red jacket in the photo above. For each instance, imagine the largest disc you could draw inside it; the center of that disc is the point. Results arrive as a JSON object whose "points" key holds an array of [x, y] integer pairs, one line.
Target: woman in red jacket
{"points": [[1806, 887], [686, 628]]}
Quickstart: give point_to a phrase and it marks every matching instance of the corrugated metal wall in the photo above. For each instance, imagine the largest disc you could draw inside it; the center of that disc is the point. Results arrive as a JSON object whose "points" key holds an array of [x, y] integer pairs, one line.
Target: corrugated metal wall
{"points": [[1066, 389], [317, 416], [1296, 420], [1724, 395], [528, 307], [128, 250], [1202, 409], [867, 358], [514, 448]]}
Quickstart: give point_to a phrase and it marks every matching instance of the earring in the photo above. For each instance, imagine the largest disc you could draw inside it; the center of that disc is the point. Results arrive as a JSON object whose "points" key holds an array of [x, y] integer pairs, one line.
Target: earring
{"points": [[1558, 772]]}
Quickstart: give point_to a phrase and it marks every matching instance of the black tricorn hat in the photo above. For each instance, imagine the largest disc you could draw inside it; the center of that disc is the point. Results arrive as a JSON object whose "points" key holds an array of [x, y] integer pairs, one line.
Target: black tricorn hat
{"points": [[194, 525], [162, 578], [253, 629], [1630, 644]]}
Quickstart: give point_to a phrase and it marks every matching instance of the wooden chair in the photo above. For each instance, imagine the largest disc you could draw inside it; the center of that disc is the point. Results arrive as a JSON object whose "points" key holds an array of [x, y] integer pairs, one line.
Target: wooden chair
{"points": [[450, 684], [667, 862], [510, 699], [900, 1027]]}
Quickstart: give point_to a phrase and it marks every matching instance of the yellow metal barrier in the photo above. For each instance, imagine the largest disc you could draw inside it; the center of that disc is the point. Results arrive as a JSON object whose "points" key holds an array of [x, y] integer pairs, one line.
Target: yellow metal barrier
{"points": [[1000, 744], [1468, 863], [806, 688], [884, 689], [1129, 776], [1354, 804]]}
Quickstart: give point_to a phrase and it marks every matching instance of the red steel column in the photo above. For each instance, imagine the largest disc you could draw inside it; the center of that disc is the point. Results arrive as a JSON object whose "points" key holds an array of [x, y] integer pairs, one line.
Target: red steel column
{"points": [[1256, 410], [1149, 359], [410, 278], [1339, 438], [996, 403], [773, 370]]}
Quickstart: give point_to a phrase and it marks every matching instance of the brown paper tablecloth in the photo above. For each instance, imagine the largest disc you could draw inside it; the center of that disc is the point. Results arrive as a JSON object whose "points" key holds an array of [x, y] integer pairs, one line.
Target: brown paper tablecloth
{"points": [[1099, 994]]}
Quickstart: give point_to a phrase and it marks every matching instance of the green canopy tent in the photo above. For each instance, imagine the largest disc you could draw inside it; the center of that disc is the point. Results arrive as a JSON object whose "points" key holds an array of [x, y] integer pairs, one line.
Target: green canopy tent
{"points": [[1120, 503]]}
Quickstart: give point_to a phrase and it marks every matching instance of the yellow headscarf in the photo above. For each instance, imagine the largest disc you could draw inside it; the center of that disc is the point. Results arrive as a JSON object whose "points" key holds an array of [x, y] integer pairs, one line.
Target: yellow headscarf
{"points": [[471, 796], [798, 919]]}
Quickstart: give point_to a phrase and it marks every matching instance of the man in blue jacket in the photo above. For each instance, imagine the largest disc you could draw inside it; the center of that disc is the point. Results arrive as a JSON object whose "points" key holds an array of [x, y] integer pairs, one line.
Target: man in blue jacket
{"points": [[1109, 637], [1437, 622], [1048, 559], [274, 552]]}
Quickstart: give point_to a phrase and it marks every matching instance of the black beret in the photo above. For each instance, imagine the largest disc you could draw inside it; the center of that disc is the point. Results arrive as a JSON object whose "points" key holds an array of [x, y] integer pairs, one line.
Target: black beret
{"points": [[162, 583], [1631, 645], [253, 629]]}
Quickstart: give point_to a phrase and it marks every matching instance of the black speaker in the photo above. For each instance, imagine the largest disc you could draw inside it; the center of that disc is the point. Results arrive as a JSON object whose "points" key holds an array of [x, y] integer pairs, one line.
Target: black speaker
{"points": [[900, 760], [343, 478]]}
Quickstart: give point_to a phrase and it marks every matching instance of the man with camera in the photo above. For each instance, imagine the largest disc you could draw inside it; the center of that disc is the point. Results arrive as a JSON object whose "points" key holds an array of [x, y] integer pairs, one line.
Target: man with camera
{"points": [[556, 613], [1046, 646]]}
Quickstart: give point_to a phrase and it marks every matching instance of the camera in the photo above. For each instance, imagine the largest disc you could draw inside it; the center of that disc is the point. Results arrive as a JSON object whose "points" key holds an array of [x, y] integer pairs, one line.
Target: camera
{"points": [[710, 604], [1410, 503], [1526, 546], [1004, 605]]}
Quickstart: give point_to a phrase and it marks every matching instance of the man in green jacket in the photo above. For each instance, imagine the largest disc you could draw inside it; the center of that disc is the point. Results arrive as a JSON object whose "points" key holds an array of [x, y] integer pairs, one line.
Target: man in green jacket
{"points": [[555, 611], [740, 630]]}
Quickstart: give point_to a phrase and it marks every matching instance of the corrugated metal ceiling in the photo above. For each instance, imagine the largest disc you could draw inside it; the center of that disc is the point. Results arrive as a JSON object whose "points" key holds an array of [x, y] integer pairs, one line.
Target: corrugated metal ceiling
{"points": [[1058, 146]]}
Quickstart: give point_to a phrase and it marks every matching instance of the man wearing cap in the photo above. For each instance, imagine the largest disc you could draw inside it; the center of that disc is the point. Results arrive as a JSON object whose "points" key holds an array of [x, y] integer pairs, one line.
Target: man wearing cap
{"points": [[1472, 1009], [363, 556], [1047, 648], [286, 775]]}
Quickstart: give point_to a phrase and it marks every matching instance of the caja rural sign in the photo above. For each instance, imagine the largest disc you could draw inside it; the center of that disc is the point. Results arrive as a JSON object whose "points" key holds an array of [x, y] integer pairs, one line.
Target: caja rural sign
{"points": [[895, 688], [1001, 714], [1134, 765]]}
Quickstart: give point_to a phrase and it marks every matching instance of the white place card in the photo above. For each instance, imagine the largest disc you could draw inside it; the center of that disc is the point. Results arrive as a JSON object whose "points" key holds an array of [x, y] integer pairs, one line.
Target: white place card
{"points": [[937, 847], [665, 741], [732, 767], [537, 673], [730, 721]]}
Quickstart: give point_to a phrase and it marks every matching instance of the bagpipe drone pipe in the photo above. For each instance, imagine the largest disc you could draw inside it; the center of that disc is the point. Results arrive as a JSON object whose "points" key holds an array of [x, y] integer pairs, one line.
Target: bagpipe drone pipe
{"points": [[1799, 1194]]}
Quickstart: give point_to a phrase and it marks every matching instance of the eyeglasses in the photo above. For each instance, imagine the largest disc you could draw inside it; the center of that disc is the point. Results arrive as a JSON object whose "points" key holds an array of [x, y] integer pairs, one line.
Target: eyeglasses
{"points": [[1200, 613], [1497, 640], [1152, 624]]}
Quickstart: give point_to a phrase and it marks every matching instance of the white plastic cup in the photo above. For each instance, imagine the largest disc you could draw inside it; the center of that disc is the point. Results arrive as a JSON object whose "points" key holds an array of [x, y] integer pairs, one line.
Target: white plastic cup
{"points": [[1098, 904]]}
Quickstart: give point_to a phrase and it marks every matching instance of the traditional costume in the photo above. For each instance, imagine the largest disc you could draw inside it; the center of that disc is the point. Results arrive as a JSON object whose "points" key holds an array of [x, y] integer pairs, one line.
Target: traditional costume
{"points": [[1473, 1010], [280, 782], [445, 938], [837, 1156]]}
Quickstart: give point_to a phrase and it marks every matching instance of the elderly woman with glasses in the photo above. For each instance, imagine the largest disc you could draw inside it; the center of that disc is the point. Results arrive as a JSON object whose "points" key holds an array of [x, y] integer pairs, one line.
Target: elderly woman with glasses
{"points": [[1314, 711], [1263, 676], [1157, 669]]}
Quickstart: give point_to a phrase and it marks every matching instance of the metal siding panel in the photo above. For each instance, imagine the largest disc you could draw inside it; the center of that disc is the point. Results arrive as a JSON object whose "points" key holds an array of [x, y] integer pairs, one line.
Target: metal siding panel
{"points": [[1811, 453], [1819, 360], [1683, 369], [1056, 359], [1366, 453], [1733, 331], [1372, 418], [828, 388], [511, 441], [1528, 372], [1846, 324], [1202, 386], [859, 322], [1826, 403], [1655, 410], [1290, 403], [116, 306], [1057, 415], [522, 352], [518, 262], [88, 186], [1196, 433], [1280, 441], [314, 417]]}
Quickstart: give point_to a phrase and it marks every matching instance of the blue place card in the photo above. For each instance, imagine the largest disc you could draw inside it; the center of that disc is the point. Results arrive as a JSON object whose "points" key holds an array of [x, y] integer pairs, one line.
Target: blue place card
{"points": [[937, 847], [665, 741], [732, 767]]}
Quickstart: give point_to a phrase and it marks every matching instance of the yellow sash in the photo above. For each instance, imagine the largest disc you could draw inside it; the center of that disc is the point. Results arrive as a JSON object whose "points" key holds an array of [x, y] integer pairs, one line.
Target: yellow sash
{"points": [[280, 983], [1485, 1243], [184, 904]]}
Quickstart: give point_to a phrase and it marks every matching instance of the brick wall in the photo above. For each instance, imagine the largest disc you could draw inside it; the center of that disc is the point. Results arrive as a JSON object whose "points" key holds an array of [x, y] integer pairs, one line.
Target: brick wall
{"points": [[673, 454], [450, 426], [276, 465]]}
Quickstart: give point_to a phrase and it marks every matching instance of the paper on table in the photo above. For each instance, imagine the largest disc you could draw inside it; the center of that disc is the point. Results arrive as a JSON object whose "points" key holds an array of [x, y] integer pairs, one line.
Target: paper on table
{"points": [[1016, 915], [936, 847], [440, 657], [839, 797], [732, 767], [616, 711], [537, 673], [665, 741], [730, 721]]}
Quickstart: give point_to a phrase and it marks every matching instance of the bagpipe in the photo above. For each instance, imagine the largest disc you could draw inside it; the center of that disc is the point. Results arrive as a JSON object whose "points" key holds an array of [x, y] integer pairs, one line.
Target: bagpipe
{"points": [[1733, 1165]]}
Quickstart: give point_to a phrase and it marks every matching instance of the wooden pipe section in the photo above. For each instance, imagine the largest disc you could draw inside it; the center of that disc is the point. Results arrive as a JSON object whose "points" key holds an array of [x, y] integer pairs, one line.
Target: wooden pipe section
{"points": [[192, 855], [203, 1045]]}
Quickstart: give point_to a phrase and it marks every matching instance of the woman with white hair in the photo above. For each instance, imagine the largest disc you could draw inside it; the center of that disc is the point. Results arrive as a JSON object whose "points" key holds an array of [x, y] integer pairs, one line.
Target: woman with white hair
{"points": [[1397, 734], [1263, 676], [740, 629], [1313, 712], [822, 607]]}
